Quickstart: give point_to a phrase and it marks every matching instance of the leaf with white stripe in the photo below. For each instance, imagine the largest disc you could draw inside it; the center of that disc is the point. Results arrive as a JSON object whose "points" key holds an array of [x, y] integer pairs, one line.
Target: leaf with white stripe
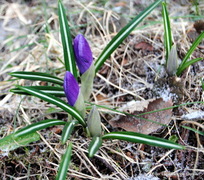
{"points": [[124, 32], [185, 62], [66, 38], [54, 100], [94, 146], [38, 126], [67, 130], [37, 76], [64, 164], [56, 91], [167, 30], [12, 142], [142, 138]]}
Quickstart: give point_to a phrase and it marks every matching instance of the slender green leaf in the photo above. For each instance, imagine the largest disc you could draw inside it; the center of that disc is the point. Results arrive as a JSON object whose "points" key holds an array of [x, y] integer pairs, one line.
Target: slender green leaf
{"points": [[190, 51], [54, 100], [22, 47], [11, 142], [56, 91], [124, 32], [45, 9], [38, 126], [37, 76], [167, 30], [202, 84], [194, 130], [64, 164], [94, 146], [67, 130], [142, 138], [187, 64], [69, 57], [193, 46]]}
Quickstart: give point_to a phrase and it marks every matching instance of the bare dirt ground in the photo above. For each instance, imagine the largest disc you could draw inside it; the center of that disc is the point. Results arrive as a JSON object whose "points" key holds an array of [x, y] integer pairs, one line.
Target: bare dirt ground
{"points": [[29, 36]]}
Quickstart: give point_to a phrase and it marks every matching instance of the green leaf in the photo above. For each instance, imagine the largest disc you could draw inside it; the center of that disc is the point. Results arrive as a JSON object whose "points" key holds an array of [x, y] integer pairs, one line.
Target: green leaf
{"points": [[190, 51], [64, 164], [142, 138], [11, 142], [187, 64], [67, 130], [38, 126], [69, 57], [167, 30], [124, 32], [56, 91], [54, 100], [94, 146], [37, 76], [202, 84], [22, 47], [194, 130]]}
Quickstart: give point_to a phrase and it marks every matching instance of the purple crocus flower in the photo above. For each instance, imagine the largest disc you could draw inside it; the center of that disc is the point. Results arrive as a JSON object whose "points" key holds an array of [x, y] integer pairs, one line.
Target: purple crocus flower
{"points": [[83, 53], [71, 88]]}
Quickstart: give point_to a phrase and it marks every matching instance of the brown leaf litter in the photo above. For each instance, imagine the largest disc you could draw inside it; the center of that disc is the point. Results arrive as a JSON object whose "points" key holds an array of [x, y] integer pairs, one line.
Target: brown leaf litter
{"points": [[139, 124]]}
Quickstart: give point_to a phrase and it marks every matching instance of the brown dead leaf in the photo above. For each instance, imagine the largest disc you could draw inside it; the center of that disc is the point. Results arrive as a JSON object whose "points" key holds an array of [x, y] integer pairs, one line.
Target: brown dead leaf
{"points": [[121, 3], [43, 83], [133, 106], [104, 70], [144, 46], [192, 35], [199, 26], [134, 124], [56, 129], [102, 99], [124, 62]]}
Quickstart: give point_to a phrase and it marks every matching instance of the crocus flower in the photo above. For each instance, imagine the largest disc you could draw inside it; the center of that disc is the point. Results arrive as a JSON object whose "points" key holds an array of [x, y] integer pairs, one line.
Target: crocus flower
{"points": [[71, 88], [83, 53]]}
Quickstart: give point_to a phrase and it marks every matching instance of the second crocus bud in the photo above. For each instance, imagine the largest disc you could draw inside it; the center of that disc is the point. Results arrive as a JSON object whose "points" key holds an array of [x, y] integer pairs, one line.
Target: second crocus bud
{"points": [[71, 88], [94, 122], [73, 94]]}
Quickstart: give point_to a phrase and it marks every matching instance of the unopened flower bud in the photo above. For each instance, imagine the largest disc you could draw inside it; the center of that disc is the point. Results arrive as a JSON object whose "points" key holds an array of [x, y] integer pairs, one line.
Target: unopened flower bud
{"points": [[71, 88], [94, 122], [82, 53]]}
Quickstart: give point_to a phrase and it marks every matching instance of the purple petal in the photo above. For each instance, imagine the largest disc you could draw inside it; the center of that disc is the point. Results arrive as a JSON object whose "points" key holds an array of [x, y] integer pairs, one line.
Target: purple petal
{"points": [[71, 88], [83, 53]]}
